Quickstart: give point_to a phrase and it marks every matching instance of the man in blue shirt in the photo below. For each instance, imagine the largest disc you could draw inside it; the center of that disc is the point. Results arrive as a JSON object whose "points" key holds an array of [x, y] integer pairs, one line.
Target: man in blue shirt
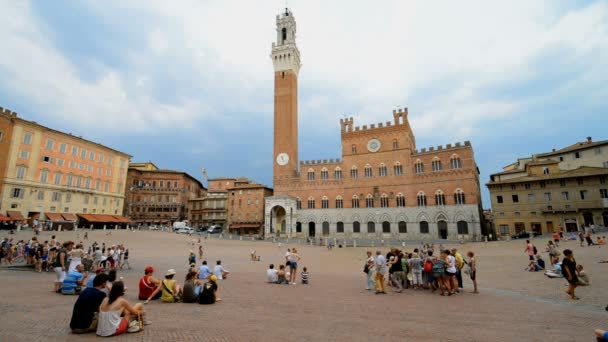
{"points": [[84, 315], [92, 277], [73, 281], [204, 271]]}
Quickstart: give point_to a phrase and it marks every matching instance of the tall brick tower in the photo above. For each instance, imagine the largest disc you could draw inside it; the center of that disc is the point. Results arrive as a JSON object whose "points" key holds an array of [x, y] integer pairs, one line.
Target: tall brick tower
{"points": [[286, 61]]}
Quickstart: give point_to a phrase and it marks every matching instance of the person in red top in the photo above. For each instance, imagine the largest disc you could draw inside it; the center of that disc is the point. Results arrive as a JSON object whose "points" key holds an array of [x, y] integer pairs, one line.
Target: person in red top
{"points": [[149, 287], [556, 239]]}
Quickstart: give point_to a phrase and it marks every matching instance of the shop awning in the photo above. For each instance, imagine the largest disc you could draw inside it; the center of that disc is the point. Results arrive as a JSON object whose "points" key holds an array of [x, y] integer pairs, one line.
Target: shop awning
{"points": [[99, 218], [54, 217], [15, 215], [122, 219], [245, 225], [69, 217], [89, 217], [4, 218]]}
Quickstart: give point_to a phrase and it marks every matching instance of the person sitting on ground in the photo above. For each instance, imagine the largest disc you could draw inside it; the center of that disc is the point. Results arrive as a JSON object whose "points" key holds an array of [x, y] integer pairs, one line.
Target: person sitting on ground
{"points": [[253, 256], [192, 269], [219, 271], [171, 291], [601, 335], [540, 262], [583, 279], [272, 275], [533, 267], [91, 279], [204, 272], [305, 275], [74, 281], [192, 288], [86, 308], [209, 292], [115, 312], [149, 287], [281, 275], [601, 240]]}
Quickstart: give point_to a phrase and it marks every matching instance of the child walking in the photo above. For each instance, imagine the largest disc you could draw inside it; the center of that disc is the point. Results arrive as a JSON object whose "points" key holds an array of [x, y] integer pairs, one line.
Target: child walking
{"points": [[304, 275]]}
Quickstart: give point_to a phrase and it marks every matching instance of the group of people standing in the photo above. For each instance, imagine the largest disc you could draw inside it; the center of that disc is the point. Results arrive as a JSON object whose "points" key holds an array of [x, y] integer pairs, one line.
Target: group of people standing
{"points": [[287, 273], [419, 269]]}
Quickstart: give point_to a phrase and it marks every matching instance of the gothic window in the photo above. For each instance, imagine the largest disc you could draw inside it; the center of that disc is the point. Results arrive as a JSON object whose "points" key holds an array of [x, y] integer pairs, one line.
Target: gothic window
{"points": [[402, 227], [400, 200], [356, 227], [353, 149], [421, 199], [418, 167], [459, 197], [340, 227], [369, 201], [463, 227], [368, 170], [384, 201], [354, 172], [311, 202], [283, 34], [398, 169], [382, 170], [386, 227], [395, 144], [439, 198], [371, 227], [424, 227], [298, 203], [455, 162], [311, 175], [339, 202], [324, 174], [436, 164], [338, 173], [355, 201], [324, 202]]}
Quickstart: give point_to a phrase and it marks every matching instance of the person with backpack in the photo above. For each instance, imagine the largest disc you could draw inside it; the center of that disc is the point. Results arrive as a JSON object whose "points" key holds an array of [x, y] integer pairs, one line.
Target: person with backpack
{"points": [[368, 269], [569, 272], [531, 250], [427, 270], [208, 293], [415, 265]]}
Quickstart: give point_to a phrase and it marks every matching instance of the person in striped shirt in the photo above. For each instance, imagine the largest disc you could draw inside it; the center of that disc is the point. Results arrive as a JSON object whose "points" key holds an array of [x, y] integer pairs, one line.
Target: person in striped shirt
{"points": [[304, 275]]}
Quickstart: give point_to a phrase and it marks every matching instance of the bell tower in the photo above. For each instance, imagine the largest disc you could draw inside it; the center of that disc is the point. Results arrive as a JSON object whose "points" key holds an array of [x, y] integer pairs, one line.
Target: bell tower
{"points": [[286, 61]]}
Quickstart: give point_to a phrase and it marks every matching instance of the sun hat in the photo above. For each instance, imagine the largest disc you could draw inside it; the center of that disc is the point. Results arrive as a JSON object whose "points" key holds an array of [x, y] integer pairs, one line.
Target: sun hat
{"points": [[213, 278], [170, 272], [192, 265], [149, 269]]}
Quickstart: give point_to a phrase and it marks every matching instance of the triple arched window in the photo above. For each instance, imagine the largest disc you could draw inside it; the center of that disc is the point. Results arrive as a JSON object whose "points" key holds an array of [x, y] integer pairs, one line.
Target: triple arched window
{"points": [[421, 199], [311, 175], [436, 164], [400, 200], [439, 197], [418, 167], [355, 201], [339, 202], [369, 201], [324, 174], [398, 169], [382, 170], [459, 197], [324, 202], [384, 201], [455, 162]]}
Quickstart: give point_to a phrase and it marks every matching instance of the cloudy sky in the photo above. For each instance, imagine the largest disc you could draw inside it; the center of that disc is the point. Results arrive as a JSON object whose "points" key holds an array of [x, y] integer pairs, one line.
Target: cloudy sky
{"points": [[189, 84]]}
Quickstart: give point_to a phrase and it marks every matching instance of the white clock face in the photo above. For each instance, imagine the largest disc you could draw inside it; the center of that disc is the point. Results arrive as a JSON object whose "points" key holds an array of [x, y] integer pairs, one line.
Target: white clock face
{"points": [[283, 159], [373, 145]]}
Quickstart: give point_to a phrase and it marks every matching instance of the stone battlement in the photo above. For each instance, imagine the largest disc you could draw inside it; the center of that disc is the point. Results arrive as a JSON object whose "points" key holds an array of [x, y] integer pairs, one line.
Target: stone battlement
{"points": [[8, 112], [441, 148], [321, 162], [399, 115]]}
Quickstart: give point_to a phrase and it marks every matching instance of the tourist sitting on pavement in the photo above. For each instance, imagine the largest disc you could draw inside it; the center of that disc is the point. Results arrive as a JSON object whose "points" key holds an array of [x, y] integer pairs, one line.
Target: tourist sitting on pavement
{"points": [[601, 335], [171, 291], [540, 262], [91, 279], [115, 312], [219, 271], [149, 287], [533, 267], [281, 275], [209, 292], [192, 258], [204, 272], [192, 269], [253, 256], [192, 288], [305, 276], [86, 308], [74, 281], [272, 275], [583, 279]]}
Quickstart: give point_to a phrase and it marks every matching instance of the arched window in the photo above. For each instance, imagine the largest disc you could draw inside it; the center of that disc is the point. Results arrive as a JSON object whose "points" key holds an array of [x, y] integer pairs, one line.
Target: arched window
{"points": [[368, 170], [395, 144], [325, 226], [369, 201], [463, 228], [455, 162], [436, 164], [44, 176], [356, 227], [386, 227], [384, 201], [371, 227], [402, 227], [324, 202], [284, 34], [338, 173], [355, 201], [424, 227], [418, 167], [439, 197], [311, 202], [382, 170], [421, 199], [353, 149], [353, 172], [398, 169], [340, 227], [400, 200], [298, 227], [311, 175], [459, 197], [298, 203], [324, 174], [339, 202]]}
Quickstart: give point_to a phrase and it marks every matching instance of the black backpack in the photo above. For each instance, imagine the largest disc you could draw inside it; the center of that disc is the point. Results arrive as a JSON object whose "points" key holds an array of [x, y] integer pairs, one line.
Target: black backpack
{"points": [[535, 250]]}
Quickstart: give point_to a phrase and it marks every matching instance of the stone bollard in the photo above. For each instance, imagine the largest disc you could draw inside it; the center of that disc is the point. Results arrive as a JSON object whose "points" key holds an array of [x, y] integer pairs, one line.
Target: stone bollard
{"points": [[59, 228], [230, 237], [241, 238], [104, 227], [116, 227], [354, 243], [91, 227], [75, 228]]}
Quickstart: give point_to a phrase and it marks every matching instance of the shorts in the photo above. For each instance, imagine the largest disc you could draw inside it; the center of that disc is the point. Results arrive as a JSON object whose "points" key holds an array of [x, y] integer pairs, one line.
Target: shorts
{"points": [[473, 275], [450, 274], [293, 265], [60, 274], [555, 240], [122, 327]]}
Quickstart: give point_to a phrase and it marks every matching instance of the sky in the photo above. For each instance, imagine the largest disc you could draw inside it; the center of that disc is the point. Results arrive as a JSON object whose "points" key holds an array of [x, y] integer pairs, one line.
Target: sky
{"points": [[188, 84]]}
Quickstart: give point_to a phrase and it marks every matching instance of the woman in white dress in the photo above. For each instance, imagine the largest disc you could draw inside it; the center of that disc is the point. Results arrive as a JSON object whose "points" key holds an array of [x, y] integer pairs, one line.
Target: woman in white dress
{"points": [[115, 312], [76, 256]]}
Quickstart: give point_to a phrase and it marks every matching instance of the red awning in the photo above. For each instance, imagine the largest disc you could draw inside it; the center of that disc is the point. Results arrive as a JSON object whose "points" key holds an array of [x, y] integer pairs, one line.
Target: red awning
{"points": [[54, 217], [4, 218], [15, 215], [89, 217], [98, 218], [122, 219], [69, 217]]}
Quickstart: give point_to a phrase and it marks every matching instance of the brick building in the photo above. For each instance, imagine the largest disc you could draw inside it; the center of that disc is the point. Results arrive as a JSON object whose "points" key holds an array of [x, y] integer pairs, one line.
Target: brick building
{"points": [[246, 207], [211, 208], [382, 187], [51, 176], [156, 196]]}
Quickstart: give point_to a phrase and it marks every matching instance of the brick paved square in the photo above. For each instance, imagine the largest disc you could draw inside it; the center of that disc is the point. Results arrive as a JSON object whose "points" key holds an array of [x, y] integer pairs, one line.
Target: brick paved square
{"points": [[512, 305]]}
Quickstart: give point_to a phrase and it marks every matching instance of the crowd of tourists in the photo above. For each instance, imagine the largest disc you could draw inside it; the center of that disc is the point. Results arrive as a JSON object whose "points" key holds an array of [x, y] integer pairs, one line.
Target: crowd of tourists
{"points": [[286, 274], [420, 269]]}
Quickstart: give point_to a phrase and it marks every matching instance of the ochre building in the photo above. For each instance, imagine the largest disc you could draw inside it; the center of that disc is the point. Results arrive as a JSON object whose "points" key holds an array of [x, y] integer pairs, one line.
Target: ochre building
{"points": [[383, 186]]}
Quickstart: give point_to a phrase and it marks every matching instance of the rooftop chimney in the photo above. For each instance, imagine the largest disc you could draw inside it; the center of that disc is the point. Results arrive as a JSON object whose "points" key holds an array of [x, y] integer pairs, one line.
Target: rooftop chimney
{"points": [[589, 139]]}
